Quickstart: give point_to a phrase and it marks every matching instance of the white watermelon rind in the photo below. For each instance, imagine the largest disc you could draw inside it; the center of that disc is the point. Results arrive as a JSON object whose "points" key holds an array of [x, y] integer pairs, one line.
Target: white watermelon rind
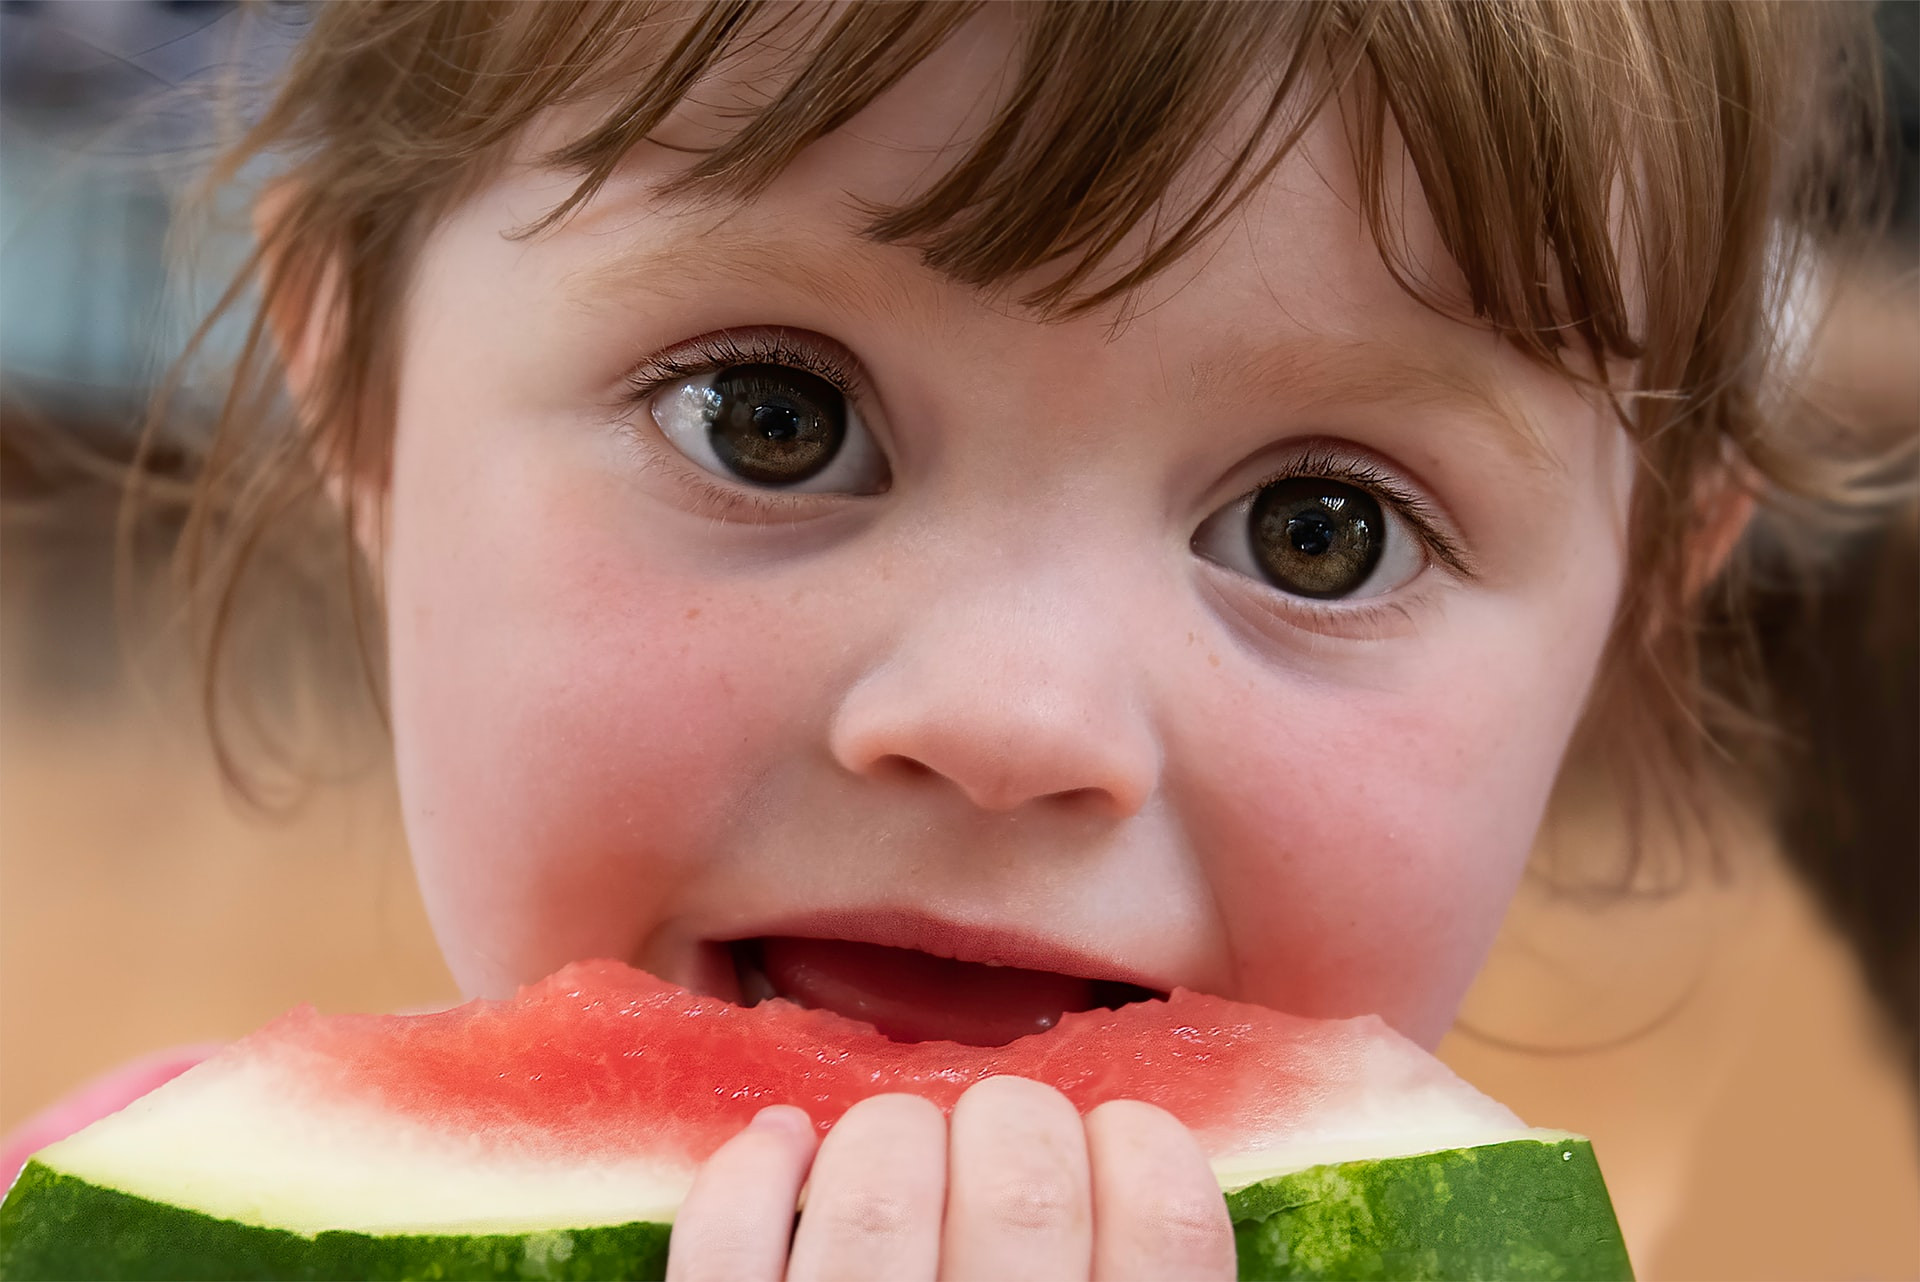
{"points": [[1532, 1208]]}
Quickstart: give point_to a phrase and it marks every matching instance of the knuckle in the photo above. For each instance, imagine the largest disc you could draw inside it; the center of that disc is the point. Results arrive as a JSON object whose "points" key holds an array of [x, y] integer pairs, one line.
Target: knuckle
{"points": [[1033, 1204], [1193, 1226], [869, 1215]]}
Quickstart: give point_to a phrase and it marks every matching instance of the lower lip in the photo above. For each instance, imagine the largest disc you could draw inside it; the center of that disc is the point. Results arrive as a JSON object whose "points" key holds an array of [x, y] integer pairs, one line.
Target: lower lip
{"points": [[912, 996]]}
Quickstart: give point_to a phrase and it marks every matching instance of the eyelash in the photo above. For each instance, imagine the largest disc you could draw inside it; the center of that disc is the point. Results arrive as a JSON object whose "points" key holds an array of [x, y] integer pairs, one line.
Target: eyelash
{"points": [[1350, 620], [710, 352], [1418, 511]]}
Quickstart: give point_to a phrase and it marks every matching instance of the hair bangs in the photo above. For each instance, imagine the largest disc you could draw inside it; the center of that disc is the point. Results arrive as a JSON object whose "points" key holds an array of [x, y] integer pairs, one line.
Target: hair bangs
{"points": [[1110, 111], [1550, 142]]}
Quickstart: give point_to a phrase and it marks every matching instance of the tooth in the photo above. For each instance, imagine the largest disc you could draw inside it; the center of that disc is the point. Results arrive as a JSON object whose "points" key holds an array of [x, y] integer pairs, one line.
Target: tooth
{"points": [[755, 987]]}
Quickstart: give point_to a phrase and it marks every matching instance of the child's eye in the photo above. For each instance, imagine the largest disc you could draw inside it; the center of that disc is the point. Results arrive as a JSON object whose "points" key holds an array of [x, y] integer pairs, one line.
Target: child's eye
{"points": [[1324, 537], [765, 421]]}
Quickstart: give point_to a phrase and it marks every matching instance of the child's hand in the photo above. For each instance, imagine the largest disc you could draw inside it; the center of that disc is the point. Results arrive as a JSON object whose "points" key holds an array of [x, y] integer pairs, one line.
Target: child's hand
{"points": [[1017, 1186]]}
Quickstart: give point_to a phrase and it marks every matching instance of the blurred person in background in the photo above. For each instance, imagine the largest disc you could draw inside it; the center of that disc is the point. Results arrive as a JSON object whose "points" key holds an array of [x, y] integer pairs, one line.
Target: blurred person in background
{"points": [[1840, 637], [59, 630]]}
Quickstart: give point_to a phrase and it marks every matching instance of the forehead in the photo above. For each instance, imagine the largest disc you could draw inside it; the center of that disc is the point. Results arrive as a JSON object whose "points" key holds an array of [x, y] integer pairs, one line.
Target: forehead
{"points": [[1291, 291]]}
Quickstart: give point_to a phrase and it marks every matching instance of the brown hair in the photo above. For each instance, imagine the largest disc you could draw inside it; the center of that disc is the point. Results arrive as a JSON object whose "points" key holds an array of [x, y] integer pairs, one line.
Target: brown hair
{"points": [[1621, 184]]}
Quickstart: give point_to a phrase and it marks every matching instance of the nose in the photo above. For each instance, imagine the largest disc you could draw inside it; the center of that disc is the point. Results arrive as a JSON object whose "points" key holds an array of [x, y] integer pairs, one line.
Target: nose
{"points": [[1017, 697]]}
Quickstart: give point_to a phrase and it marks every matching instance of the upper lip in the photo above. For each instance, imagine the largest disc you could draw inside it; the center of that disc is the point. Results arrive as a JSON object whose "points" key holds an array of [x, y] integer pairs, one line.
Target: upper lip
{"points": [[987, 944]]}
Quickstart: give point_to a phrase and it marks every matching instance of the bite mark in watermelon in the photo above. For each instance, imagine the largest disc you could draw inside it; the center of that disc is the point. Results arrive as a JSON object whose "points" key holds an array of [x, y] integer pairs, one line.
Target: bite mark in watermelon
{"points": [[554, 1135]]}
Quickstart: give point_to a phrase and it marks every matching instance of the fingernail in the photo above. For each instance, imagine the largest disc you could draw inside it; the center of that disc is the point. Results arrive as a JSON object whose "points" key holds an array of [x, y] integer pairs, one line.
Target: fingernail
{"points": [[782, 1117]]}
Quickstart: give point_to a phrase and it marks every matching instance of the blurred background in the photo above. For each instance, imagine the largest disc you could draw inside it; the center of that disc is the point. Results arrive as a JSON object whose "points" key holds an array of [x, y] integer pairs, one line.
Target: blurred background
{"points": [[1741, 1049]]}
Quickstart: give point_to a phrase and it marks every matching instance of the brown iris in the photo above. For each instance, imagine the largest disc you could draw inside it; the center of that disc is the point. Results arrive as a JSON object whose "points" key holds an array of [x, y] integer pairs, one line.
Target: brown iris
{"points": [[1315, 537], [773, 424]]}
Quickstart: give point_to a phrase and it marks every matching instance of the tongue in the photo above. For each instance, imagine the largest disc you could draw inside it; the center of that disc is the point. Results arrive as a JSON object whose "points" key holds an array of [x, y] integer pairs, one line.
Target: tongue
{"points": [[916, 997]]}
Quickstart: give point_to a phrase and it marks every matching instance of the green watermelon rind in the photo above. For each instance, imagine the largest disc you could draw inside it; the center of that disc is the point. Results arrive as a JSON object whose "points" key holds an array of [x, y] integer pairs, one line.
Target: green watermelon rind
{"points": [[1519, 1209], [55, 1227]]}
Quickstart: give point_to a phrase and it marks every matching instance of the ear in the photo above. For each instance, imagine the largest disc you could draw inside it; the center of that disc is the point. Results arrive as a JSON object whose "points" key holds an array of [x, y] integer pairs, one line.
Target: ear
{"points": [[303, 313], [301, 296], [1726, 509]]}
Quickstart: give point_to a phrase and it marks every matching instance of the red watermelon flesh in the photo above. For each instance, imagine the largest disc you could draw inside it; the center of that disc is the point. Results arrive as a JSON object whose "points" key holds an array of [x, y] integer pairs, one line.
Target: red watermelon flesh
{"points": [[579, 1062]]}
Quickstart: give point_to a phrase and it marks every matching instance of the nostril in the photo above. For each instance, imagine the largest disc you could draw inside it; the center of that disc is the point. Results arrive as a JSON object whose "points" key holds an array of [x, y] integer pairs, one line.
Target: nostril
{"points": [[903, 767]]}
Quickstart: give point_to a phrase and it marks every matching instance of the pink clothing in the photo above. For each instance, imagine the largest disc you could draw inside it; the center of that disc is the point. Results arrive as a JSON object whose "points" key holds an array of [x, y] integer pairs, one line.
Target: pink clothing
{"points": [[108, 1093]]}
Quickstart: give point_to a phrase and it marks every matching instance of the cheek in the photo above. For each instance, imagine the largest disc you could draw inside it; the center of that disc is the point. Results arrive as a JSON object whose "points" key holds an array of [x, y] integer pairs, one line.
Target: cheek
{"points": [[563, 708], [1364, 842]]}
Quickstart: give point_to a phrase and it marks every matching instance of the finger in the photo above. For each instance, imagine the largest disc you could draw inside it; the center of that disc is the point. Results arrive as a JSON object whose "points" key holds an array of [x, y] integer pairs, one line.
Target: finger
{"points": [[1018, 1198], [736, 1221], [1157, 1209], [876, 1195]]}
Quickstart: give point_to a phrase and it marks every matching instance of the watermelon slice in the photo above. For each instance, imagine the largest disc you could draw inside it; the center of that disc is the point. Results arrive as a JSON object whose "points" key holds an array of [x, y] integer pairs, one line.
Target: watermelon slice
{"points": [[553, 1136]]}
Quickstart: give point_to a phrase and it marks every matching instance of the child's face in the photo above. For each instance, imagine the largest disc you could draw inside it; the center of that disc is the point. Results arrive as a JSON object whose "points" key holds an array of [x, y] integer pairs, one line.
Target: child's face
{"points": [[1019, 677]]}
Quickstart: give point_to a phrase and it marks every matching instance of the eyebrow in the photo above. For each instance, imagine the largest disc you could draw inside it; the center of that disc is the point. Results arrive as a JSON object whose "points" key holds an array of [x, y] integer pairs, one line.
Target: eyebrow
{"points": [[689, 262], [1318, 371]]}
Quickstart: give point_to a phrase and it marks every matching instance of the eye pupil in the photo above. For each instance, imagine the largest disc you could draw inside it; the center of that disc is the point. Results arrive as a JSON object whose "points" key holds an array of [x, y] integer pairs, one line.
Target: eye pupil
{"points": [[773, 424], [1316, 537], [1312, 535], [777, 422]]}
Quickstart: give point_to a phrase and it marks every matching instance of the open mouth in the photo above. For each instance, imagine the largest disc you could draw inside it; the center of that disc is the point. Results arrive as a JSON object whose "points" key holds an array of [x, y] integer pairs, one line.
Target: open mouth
{"points": [[911, 996]]}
